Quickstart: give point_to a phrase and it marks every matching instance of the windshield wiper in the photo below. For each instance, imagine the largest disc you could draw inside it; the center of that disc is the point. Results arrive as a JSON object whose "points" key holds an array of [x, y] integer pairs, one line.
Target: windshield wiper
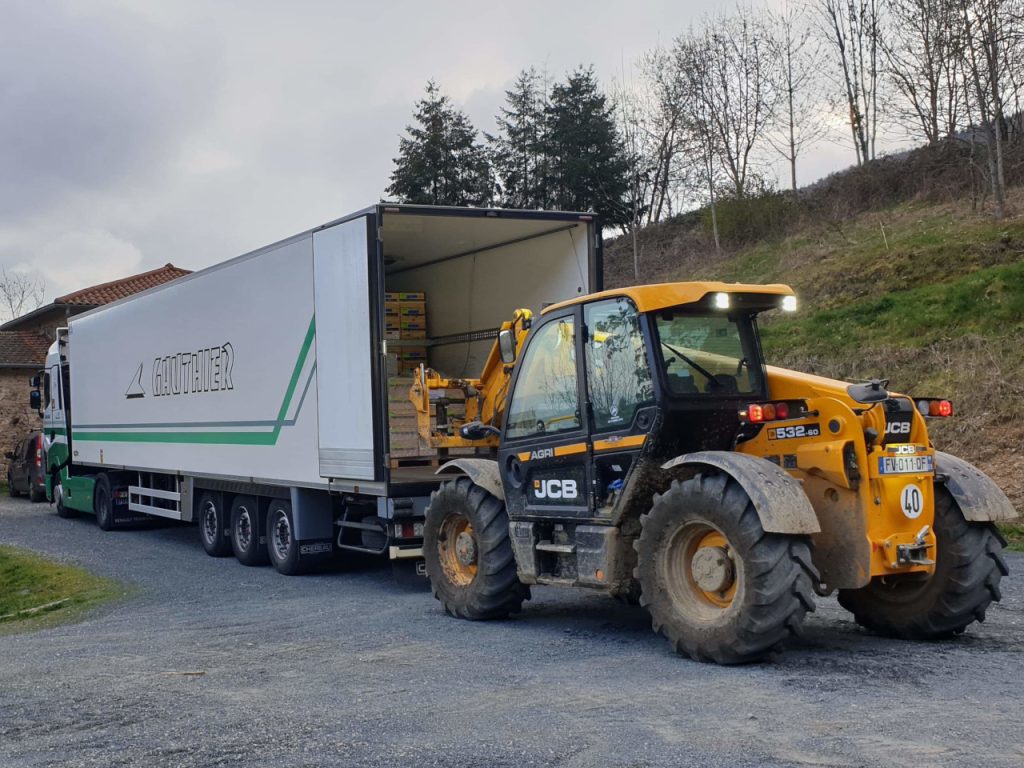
{"points": [[703, 372]]}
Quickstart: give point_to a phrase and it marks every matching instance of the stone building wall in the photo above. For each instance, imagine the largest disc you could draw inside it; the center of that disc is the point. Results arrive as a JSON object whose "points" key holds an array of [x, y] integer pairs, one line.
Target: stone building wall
{"points": [[16, 418]]}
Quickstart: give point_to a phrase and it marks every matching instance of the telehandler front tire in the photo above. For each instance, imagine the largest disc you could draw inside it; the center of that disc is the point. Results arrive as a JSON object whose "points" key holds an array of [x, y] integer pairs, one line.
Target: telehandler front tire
{"points": [[968, 567], [468, 554], [716, 585]]}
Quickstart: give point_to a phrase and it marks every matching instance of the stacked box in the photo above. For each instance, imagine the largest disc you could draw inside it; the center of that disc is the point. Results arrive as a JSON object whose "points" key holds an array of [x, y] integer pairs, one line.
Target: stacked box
{"points": [[392, 316], [404, 435]]}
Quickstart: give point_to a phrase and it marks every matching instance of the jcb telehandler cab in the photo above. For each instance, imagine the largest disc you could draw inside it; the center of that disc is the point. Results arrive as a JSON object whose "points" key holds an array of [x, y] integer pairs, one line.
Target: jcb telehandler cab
{"points": [[642, 447]]}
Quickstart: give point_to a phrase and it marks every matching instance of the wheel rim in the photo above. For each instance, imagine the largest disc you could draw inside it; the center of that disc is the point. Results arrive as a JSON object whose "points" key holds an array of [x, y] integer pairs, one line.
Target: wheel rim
{"points": [[243, 530], [58, 496], [458, 550], [703, 573], [210, 522], [281, 538]]}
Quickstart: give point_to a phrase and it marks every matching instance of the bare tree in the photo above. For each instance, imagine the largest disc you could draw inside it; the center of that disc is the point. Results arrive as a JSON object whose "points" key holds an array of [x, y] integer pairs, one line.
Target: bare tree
{"points": [[853, 29], [799, 61], [924, 57], [994, 47], [726, 68], [19, 293]]}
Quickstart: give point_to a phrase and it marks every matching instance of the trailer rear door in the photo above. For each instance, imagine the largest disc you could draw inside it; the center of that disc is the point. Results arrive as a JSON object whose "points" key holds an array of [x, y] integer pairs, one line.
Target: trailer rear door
{"points": [[344, 274]]}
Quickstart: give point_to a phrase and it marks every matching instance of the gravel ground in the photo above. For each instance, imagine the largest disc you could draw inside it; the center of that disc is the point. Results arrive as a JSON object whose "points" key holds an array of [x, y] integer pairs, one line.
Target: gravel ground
{"points": [[348, 669]]}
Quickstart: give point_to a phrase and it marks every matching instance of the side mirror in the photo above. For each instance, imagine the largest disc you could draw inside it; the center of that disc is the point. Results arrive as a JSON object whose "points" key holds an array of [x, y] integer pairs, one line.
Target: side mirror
{"points": [[35, 400], [507, 346], [34, 381], [871, 392], [476, 430]]}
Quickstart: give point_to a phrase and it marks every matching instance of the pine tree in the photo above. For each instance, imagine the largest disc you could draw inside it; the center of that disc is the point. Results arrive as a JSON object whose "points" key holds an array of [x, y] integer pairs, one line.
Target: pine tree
{"points": [[518, 148], [440, 161], [588, 167]]}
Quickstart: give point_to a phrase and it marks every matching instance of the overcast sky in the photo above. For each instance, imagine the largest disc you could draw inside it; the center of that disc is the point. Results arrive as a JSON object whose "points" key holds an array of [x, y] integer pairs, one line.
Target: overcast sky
{"points": [[135, 133]]}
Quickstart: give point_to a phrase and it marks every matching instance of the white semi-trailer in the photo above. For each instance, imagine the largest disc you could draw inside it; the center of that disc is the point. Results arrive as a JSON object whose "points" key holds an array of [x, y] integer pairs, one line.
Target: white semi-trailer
{"points": [[252, 397]]}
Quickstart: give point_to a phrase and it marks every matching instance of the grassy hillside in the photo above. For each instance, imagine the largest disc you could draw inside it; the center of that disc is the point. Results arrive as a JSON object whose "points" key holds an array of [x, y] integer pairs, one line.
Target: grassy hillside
{"points": [[928, 295]]}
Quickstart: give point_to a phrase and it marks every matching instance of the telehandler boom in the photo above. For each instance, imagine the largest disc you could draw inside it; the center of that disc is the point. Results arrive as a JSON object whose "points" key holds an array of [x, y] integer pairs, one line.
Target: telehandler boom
{"points": [[640, 446]]}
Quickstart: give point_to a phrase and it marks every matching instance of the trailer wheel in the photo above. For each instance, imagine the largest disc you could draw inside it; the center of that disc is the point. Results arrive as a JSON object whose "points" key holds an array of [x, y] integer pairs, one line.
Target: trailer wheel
{"points": [[468, 554], [716, 585], [281, 543], [103, 503], [213, 523], [968, 567], [246, 531]]}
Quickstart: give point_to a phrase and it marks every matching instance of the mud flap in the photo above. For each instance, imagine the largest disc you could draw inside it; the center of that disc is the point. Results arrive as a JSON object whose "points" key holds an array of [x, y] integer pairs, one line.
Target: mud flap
{"points": [[978, 497]]}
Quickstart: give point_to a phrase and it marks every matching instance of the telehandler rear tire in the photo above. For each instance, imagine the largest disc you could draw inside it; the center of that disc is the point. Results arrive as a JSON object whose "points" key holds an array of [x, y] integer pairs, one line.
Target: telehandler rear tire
{"points": [[468, 554], [716, 585], [968, 567]]}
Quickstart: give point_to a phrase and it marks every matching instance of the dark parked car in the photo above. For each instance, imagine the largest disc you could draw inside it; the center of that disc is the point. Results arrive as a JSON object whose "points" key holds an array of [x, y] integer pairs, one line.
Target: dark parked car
{"points": [[25, 468]]}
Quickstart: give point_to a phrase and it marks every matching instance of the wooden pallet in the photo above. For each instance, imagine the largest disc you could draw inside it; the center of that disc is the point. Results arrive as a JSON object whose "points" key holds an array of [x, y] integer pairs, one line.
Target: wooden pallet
{"points": [[415, 461]]}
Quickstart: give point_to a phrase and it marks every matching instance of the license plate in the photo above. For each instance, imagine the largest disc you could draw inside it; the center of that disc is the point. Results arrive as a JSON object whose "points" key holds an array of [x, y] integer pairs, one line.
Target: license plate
{"points": [[904, 465]]}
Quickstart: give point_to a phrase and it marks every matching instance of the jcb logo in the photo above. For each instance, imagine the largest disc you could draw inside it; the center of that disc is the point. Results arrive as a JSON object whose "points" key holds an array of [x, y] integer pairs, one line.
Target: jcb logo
{"points": [[897, 428], [904, 450], [555, 489]]}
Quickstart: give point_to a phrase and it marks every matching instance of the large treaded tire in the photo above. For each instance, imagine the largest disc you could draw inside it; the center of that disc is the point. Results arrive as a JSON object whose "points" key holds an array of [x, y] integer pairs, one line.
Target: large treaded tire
{"points": [[968, 567], [494, 590], [103, 503], [773, 574]]}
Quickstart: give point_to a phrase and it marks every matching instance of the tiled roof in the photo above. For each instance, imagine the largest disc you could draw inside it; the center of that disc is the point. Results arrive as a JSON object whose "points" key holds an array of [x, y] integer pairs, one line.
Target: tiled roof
{"points": [[22, 348], [118, 289]]}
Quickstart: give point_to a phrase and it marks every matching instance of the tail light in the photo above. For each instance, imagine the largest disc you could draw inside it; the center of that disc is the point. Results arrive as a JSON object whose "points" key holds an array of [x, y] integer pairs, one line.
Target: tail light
{"points": [[39, 453], [758, 413], [930, 406]]}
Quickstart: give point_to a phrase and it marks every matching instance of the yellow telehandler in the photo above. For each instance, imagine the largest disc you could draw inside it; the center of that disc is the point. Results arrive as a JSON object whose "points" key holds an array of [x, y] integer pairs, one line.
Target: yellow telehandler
{"points": [[634, 441]]}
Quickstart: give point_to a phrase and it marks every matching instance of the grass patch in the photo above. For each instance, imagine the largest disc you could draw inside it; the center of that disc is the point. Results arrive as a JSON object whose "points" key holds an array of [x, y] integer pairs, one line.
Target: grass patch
{"points": [[36, 591], [987, 302], [1014, 535]]}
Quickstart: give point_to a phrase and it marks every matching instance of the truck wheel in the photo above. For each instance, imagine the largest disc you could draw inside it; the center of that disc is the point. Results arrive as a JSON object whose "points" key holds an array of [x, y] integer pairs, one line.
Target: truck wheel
{"points": [[10, 487], [103, 503], [716, 585], [58, 500], [968, 567], [213, 525], [34, 494], [468, 554], [281, 543], [245, 531]]}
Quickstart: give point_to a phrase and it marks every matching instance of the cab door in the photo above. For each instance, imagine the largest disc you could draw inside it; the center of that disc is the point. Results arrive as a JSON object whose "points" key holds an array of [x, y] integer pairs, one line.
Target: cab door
{"points": [[620, 393], [544, 456]]}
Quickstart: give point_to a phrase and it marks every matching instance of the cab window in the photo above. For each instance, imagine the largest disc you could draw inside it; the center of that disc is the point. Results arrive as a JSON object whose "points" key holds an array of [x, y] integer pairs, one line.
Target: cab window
{"points": [[707, 354], [618, 377], [546, 399]]}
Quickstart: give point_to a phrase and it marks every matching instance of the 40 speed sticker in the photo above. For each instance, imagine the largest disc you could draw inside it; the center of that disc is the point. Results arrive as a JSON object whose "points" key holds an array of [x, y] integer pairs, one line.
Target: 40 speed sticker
{"points": [[799, 430], [911, 501]]}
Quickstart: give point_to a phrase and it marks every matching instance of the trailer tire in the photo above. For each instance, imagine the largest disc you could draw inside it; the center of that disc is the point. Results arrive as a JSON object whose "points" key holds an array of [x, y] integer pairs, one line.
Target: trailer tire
{"points": [[968, 567], [246, 530], [468, 553], [282, 547], [214, 525], [103, 503], [716, 585], [57, 489]]}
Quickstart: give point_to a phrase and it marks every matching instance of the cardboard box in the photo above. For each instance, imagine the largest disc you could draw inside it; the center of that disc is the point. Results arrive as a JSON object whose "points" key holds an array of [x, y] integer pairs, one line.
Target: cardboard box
{"points": [[412, 323], [392, 308], [391, 296], [412, 308], [415, 335], [411, 296], [392, 323], [418, 354]]}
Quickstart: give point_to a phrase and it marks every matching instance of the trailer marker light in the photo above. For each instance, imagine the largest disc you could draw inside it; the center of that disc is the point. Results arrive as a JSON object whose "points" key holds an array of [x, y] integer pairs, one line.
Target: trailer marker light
{"points": [[941, 408], [768, 411], [721, 300], [924, 407], [782, 410], [789, 303], [755, 413]]}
